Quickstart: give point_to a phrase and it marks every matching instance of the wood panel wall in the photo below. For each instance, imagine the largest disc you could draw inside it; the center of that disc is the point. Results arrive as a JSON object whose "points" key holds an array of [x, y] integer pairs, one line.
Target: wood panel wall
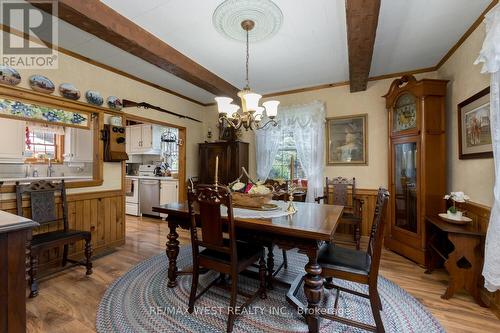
{"points": [[480, 216], [102, 213]]}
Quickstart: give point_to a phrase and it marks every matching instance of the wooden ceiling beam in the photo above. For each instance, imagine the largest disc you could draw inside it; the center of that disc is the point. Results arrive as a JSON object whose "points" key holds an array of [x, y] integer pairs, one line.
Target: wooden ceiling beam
{"points": [[96, 18], [362, 21]]}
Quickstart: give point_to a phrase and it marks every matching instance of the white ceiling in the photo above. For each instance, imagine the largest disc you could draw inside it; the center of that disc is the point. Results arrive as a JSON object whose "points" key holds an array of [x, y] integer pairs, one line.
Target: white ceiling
{"points": [[310, 49]]}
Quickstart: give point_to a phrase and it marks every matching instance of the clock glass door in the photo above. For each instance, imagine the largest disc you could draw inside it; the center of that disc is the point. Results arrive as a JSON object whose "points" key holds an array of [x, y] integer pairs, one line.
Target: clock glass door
{"points": [[405, 186]]}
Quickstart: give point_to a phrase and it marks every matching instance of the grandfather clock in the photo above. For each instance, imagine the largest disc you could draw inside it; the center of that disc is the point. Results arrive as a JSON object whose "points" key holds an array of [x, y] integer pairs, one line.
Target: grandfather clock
{"points": [[417, 161]]}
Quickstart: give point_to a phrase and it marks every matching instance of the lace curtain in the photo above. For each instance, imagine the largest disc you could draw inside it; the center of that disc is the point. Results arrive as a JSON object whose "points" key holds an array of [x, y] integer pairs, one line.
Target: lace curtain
{"points": [[490, 56], [307, 122]]}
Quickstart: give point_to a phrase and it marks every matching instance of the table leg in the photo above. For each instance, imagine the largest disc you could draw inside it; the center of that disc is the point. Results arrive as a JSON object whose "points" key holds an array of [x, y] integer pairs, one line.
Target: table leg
{"points": [[270, 266], [464, 265], [172, 253], [313, 290]]}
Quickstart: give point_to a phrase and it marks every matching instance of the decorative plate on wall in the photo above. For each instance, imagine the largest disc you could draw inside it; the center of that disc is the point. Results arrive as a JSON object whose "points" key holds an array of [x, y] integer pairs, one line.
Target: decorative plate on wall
{"points": [[42, 84], [94, 97], [69, 91], [115, 103], [9, 75]]}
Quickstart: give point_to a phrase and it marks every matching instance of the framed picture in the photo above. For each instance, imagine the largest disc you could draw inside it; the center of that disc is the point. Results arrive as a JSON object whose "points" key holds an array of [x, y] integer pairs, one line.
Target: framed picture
{"points": [[474, 132], [347, 140]]}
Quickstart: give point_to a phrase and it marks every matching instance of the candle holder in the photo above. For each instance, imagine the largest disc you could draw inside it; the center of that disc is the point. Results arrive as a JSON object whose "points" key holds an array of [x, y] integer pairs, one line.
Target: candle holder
{"points": [[291, 190]]}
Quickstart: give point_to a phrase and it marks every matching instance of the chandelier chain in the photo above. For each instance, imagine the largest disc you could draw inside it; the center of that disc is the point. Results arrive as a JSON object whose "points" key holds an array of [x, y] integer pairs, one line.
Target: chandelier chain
{"points": [[248, 58]]}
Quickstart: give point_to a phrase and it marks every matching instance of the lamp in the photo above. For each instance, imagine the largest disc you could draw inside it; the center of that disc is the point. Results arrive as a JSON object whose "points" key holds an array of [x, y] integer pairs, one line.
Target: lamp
{"points": [[252, 114]]}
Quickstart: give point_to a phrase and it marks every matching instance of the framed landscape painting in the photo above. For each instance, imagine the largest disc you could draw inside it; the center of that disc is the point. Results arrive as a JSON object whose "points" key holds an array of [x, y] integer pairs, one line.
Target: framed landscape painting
{"points": [[474, 132], [347, 140]]}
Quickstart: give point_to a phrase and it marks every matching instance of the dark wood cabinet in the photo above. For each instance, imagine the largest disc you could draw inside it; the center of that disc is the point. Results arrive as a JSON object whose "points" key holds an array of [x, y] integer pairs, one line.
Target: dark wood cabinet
{"points": [[232, 156], [417, 162], [15, 233]]}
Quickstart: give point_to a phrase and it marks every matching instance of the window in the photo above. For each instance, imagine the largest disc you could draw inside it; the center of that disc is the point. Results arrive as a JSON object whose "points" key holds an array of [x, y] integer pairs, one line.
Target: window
{"points": [[39, 146], [281, 164]]}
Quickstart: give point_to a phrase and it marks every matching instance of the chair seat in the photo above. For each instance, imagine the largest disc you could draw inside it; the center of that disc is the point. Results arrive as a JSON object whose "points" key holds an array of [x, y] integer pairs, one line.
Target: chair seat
{"points": [[57, 236], [344, 259], [245, 251]]}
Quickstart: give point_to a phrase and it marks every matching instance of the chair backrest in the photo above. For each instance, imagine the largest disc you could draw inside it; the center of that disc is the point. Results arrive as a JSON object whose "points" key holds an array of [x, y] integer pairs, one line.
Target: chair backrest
{"points": [[340, 191], [43, 206], [378, 229], [205, 202]]}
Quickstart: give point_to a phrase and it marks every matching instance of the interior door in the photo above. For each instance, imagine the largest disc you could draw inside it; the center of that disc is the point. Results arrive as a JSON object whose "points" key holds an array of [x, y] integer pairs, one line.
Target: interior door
{"points": [[405, 189]]}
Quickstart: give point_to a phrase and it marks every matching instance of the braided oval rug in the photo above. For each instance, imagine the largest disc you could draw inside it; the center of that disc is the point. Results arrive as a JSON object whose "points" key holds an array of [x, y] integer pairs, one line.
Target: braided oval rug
{"points": [[140, 301]]}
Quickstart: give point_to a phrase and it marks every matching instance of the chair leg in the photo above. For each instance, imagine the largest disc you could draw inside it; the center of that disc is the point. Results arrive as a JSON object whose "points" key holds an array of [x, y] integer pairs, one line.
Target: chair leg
{"points": [[285, 260], [33, 273], [232, 303], [262, 276], [329, 283], [376, 308], [88, 256], [357, 235], [65, 255], [194, 288]]}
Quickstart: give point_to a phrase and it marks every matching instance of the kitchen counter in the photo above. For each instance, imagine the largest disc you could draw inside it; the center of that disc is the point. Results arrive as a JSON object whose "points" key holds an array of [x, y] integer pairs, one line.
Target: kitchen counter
{"points": [[30, 179], [151, 177]]}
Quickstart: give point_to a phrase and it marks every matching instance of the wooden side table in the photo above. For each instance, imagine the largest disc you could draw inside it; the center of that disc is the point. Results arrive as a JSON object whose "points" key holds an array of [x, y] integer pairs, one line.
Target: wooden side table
{"points": [[15, 232], [461, 248]]}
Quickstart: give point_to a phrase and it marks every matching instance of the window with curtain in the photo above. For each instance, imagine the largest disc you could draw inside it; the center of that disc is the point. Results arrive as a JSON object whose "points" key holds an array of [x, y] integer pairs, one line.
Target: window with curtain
{"points": [[40, 145], [281, 164]]}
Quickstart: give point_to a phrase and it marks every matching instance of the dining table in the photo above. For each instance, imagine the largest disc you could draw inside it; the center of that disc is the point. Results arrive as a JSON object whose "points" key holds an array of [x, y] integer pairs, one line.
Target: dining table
{"points": [[306, 230]]}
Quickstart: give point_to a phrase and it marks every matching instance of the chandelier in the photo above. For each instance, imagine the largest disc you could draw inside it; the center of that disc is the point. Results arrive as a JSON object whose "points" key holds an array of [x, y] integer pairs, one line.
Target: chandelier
{"points": [[251, 115]]}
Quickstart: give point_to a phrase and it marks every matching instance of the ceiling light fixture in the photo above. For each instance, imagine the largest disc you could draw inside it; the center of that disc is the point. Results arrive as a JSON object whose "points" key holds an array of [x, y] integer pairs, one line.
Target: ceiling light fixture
{"points": [[252, 114]]}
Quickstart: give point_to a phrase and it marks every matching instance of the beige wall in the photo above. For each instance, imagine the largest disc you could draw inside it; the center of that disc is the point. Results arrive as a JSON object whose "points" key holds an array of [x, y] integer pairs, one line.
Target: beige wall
{"points": [[474, 177], [86, 76], [340, 102]]}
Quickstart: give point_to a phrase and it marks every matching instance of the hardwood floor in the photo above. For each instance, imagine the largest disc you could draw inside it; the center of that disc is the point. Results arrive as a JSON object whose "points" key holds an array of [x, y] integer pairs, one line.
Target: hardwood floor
{"points": [[68, 300]]}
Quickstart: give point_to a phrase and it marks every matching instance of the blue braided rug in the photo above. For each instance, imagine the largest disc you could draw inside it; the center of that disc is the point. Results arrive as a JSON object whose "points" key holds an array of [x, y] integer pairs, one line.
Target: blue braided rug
{"points": [[140, 301]]}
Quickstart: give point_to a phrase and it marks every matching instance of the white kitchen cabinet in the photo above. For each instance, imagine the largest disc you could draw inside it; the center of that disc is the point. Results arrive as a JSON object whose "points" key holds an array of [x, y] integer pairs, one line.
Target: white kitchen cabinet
{"points": [[128, 137], [144, 139], [78, 144], [169, 193], [12, 137]]}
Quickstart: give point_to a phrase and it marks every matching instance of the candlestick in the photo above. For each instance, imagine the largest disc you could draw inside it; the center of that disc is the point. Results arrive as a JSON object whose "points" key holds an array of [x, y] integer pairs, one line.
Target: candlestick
{"points": [[291, 169], [216, 169]]}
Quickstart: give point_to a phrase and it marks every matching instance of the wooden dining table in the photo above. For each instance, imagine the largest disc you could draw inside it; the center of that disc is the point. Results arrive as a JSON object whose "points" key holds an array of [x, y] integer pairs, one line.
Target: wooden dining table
{"points": [[305, 230]]}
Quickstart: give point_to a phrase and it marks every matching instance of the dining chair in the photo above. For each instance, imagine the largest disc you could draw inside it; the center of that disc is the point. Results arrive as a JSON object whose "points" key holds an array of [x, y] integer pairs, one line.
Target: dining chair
{"points": [[342, 191], [43, 210], [357, 266], [221, 254]]}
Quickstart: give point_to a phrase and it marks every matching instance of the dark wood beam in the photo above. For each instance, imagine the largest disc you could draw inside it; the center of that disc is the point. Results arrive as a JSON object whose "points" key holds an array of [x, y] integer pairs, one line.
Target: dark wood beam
{"points": [[362, 21], [103, 22]]}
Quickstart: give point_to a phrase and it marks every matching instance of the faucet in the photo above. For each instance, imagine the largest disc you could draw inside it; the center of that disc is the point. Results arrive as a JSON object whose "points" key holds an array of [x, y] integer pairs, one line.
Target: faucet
{"points": [[50, 169]]}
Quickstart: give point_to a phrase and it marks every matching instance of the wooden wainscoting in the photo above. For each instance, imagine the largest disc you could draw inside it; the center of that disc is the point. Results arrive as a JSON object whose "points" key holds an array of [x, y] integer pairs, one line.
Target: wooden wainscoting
{"points": [[102, 213], [369, 198], [480, 216]]}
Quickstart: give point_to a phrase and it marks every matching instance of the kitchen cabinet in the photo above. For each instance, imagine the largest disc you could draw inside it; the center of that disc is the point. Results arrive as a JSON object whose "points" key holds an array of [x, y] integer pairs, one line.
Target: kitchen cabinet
{"points": [[169, 192], [12, 134], [144, 139], [78, 145]]}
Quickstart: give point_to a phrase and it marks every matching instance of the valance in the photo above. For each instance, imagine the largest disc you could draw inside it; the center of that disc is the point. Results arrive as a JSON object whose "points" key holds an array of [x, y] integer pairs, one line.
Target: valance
{"points": [[32, 112]]}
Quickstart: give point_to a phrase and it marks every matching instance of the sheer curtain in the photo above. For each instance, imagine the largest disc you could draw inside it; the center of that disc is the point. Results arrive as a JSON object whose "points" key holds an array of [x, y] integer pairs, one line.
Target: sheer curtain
{"points": [[490, 56], [308, 125]]}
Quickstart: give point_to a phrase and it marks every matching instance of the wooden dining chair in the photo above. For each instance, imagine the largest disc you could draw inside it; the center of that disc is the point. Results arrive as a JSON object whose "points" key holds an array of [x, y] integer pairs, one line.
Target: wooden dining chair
{"points": [[357, 266], [221, 254], [43, 210], [342, 191]]}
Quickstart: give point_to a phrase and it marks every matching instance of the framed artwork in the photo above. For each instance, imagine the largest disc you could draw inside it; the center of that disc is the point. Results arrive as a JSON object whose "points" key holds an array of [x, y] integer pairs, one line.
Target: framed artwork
{"points": [[347, 140], [474, 132]]}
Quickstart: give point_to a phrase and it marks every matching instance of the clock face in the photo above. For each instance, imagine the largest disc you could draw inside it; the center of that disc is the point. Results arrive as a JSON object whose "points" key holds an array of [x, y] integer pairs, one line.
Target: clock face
{"points": [[405, 113]]}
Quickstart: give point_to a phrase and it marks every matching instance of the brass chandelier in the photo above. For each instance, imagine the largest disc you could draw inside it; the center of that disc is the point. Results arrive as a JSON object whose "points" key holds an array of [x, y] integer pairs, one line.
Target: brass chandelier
{"points": [[251, 115]]}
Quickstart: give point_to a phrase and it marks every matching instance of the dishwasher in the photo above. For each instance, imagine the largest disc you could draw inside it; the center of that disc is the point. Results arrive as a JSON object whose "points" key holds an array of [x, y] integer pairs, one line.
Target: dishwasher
{"points": [[149, 195]]}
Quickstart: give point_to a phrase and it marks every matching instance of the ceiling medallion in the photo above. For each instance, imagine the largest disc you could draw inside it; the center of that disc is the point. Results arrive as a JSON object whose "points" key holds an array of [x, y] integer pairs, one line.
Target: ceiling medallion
{"points": [[265, 14]]}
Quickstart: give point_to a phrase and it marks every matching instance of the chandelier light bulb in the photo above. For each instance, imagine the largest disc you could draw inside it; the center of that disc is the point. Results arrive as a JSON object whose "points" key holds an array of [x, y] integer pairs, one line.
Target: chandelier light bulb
{"points": [[252, 101], [222, 103], [271, 108]]}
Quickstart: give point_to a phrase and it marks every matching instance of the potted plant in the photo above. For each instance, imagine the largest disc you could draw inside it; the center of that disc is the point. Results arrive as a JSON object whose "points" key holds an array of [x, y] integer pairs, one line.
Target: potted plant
{"points": [[455, 197]]}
